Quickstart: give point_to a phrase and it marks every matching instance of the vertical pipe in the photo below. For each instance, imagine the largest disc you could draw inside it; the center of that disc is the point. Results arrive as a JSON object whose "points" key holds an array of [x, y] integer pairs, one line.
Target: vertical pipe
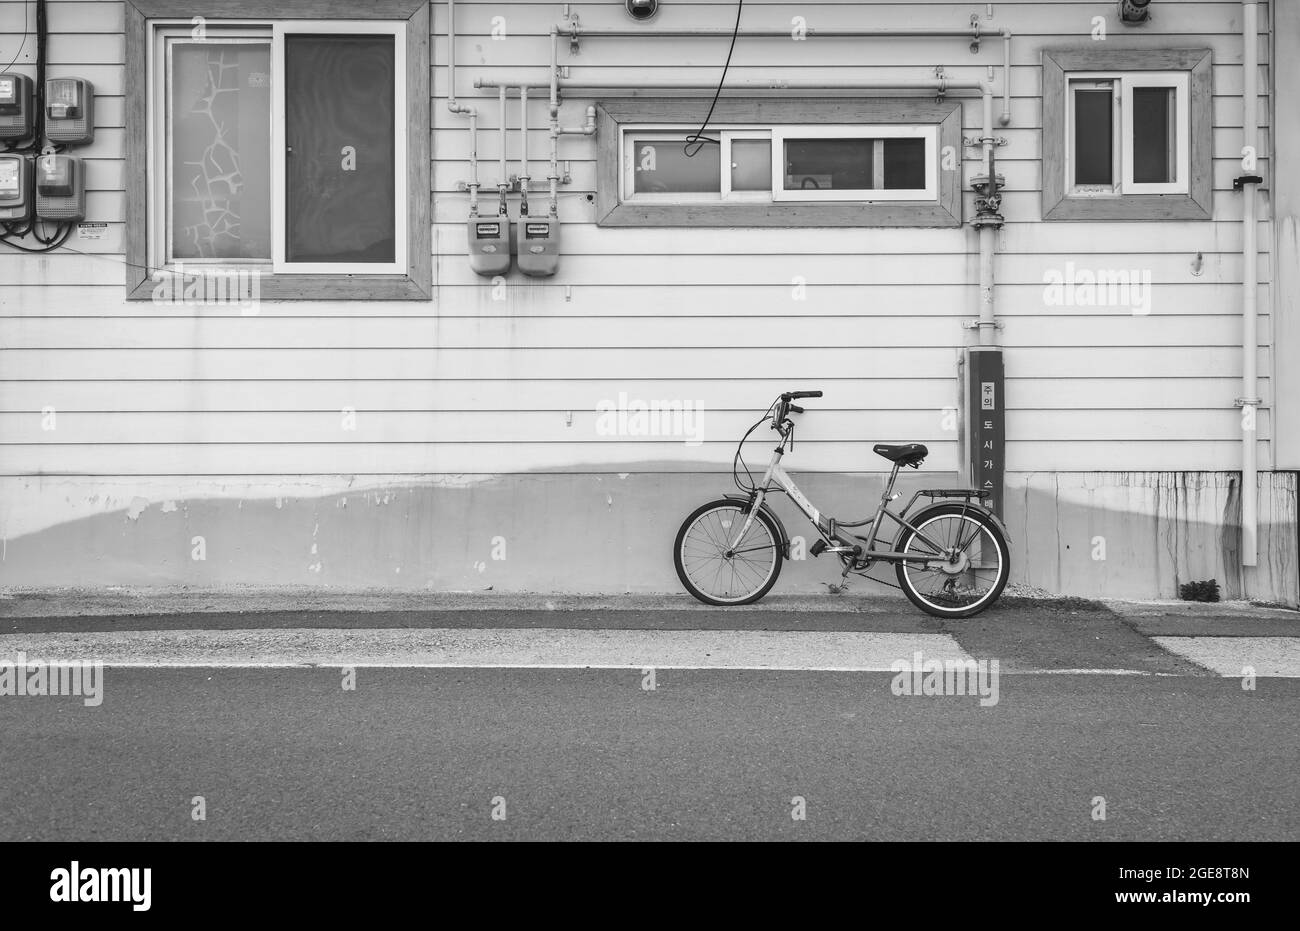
{"points": [[1249, 293], [988, 310], [1006, 78], [554, 176], [503, 182], [456, 107], [473, 162], [523, 157]]}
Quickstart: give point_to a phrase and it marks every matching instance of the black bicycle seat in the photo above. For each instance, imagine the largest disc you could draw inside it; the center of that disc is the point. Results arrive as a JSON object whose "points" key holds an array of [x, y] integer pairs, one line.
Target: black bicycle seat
{"points": [[905, 454]]}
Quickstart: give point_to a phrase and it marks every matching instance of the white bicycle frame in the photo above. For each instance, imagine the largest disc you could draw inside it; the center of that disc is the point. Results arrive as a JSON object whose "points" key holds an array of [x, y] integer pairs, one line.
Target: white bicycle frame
{"points": [[776, 473]]}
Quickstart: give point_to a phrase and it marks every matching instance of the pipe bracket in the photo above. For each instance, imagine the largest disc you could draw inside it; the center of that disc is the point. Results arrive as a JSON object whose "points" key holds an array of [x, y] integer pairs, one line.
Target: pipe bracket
{"points": [[1239, 184], [1247, 402], [573, 34]]}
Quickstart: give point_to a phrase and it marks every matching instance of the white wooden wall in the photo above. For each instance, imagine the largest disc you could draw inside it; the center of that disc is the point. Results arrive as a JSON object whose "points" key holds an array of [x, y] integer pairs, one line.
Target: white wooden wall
{"points": [[471, 384]]}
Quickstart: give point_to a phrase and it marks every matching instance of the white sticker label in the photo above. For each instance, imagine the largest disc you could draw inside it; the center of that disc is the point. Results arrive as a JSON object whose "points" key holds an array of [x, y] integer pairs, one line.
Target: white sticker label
{"points": [[92, 230], [9, 174], [987, 396]]}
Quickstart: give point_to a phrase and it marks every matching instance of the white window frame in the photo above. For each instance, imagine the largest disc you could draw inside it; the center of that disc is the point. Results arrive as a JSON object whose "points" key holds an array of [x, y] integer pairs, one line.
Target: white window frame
{"points": [[776, 134], [158, 70], [1123, 84], [677, 136], [928, 132]]}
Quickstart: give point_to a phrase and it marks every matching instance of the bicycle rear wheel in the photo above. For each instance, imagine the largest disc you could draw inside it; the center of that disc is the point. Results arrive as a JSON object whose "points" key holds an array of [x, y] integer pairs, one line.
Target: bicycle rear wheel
{"points": [[977, 561], [715, 572]]}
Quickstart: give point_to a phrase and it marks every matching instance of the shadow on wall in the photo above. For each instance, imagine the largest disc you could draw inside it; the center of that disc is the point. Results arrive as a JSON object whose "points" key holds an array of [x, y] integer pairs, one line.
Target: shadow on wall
{"points": [[1117, 534]]}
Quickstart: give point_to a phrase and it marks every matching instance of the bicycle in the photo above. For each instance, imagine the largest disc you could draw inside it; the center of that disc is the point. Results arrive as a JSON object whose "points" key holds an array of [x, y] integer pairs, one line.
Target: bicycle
{"points": [[951, 558]]}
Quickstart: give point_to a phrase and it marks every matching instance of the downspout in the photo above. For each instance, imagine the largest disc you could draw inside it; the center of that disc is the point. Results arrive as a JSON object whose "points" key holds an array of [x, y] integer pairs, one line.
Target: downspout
{"points": [[456, 107], [1249, 401]]}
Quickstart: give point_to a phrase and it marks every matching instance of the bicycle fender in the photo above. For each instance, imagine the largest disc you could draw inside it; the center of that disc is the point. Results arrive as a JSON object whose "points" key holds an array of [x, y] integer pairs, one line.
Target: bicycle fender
{"points": [[780, 527], [971, 506]]}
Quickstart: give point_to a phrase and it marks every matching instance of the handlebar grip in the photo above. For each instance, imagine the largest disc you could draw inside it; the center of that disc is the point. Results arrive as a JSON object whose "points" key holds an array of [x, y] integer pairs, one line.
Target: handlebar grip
{"points": [[792, 395], [796, 408]]}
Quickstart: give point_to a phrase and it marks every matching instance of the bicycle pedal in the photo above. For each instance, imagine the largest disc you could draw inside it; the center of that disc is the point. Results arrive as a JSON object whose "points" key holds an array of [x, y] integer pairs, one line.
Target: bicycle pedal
{"points": [[818, 548]]}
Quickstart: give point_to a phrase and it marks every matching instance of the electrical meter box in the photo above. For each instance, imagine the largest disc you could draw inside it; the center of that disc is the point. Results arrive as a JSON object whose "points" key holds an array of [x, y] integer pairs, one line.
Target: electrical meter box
{"points": [[69, 110], [538, 244], [60, 188], [489, 245], [15, 187], [15, 105]]}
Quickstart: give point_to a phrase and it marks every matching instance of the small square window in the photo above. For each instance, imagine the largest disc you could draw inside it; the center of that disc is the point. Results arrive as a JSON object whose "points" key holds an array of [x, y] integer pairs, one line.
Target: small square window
{"points": [[1127, 134]]}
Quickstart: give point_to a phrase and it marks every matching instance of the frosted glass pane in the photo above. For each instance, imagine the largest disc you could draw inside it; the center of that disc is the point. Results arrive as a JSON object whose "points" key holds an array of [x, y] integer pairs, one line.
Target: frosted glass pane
{"points": [[662, 167], [219, 124], [751, 165]]}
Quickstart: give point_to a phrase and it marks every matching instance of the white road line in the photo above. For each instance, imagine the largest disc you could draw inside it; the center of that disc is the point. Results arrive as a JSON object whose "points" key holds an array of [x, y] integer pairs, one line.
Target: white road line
{"points": [[1232, 657], [532, 648]]}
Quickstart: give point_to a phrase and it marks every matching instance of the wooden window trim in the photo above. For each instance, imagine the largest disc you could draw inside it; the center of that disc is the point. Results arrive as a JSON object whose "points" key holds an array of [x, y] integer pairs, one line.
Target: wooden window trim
{"points": [[1197, 204], [612, 114], [417, 283]]}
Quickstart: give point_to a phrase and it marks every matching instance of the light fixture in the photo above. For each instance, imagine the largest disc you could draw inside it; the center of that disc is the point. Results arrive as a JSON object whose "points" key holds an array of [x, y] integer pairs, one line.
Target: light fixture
{"points": [[1134, 12], [642, 9]]}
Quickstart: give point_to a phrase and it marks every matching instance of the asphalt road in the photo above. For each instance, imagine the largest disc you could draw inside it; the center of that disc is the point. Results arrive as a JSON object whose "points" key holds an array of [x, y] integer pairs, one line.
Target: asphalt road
{"points": [[590, 754]]}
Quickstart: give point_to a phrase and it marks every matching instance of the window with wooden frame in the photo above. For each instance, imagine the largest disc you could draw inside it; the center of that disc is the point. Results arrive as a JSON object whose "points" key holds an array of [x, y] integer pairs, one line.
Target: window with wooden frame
{"points": [[780, 162], [296, 147], [1126, 135]]}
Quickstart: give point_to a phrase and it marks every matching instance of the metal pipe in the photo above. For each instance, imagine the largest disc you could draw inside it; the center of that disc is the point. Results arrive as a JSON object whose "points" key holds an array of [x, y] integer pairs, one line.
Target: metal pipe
{"points": [[1249, 294], [456, 107], [556, 132], [523, 157], [930, 84], [452, 103], [555, 73], [503, 183], [988, 310], [1005, 119], [975, 32], [473, 162]]}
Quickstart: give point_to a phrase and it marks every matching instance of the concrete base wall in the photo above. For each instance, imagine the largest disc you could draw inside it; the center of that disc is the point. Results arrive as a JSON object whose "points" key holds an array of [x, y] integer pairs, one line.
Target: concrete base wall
{"points": [[1114, 534]]}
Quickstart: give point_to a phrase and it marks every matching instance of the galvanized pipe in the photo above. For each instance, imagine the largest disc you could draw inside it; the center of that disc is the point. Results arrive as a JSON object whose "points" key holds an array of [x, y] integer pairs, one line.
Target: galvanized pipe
{"points": [[1249, 294], [523, 157], [503, 182], [975, 32], [456, 107]]}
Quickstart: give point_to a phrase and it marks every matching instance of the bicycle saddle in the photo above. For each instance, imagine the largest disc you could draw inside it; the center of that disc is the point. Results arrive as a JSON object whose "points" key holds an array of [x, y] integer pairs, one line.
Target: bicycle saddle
{"points": [[906, 454]]}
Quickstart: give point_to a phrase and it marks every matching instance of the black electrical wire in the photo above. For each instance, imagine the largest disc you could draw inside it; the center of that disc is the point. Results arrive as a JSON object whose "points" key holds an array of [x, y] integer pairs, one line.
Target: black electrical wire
{"points": [[697, 139], [21, 45]]}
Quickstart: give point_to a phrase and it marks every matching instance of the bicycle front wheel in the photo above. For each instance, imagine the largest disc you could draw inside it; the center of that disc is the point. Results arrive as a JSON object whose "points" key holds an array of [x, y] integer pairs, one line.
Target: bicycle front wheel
{"points": [[975, 567], [720, 570]]}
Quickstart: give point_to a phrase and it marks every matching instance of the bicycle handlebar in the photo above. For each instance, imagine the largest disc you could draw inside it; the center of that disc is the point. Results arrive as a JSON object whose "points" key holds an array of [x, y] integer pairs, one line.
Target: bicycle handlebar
{"points": [[795, 395]]}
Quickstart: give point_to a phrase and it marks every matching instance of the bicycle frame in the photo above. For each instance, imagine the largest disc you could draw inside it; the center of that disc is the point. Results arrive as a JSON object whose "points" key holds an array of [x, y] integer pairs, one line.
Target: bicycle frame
{"points": [[828, 527]]}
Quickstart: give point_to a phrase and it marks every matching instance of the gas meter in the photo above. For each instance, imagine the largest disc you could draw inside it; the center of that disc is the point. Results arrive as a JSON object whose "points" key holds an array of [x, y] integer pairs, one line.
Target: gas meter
{"points": [[537, 243], [489, 245]]}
